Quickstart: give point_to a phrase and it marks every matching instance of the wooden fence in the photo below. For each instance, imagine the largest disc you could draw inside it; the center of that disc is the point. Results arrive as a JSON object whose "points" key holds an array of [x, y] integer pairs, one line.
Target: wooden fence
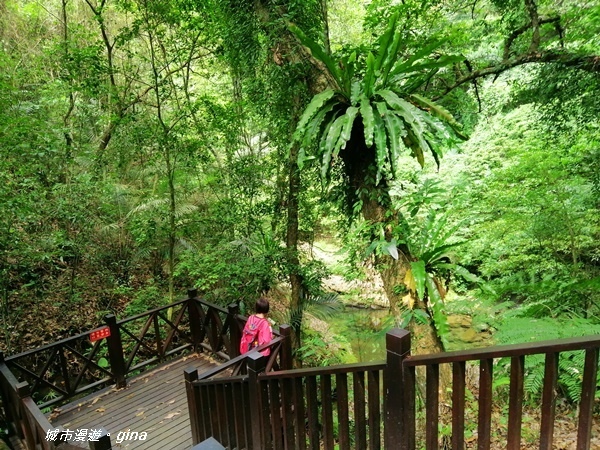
{"points": [[225, 393], [376, 405], [73, 367]]}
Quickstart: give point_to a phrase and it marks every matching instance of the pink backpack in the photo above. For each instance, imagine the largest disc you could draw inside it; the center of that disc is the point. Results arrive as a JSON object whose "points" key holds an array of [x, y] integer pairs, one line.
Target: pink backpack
{"points": [[250, 334]]}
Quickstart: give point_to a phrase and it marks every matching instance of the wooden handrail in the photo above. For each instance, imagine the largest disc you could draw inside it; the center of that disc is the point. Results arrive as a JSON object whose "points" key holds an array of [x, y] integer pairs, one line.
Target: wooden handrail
{"points": [[128, 350], [294, 408], [504, 351], [329, 370], [153, 311]]}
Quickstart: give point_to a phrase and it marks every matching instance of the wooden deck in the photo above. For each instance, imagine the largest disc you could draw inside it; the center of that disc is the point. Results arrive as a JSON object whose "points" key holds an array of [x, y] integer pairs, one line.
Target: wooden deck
{"points": [[154, 402]]}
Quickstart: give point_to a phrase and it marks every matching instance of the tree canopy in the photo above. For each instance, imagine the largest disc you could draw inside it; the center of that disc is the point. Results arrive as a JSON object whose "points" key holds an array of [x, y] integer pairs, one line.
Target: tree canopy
{"points": [[153, 146]]}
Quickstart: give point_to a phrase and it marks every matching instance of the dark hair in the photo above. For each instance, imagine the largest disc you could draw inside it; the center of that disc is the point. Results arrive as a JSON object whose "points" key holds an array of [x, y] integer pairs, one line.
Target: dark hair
{"points": [[262, 306]]}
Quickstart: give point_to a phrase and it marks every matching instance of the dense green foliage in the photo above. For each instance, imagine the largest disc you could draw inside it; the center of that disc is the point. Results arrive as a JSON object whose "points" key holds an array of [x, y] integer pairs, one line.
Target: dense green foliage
{"points": [[147, 147]]}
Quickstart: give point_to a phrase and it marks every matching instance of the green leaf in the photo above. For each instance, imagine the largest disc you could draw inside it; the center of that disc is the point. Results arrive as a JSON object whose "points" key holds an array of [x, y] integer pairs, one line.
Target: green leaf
{"points": [[409, 113], [368, 81], [419, 275], [380, 141], [301, 158], [440, 112], [421, 316], [327, 147], [351, 113], [371, 248], [436, 305], [333, 136], [325, 156], [315, 104], [438, 253], [405, 67], [355, 92], [417, 149], [437, 63], [366, 111], [396, 132], [315, 124], [385, 41], [390, 61]]}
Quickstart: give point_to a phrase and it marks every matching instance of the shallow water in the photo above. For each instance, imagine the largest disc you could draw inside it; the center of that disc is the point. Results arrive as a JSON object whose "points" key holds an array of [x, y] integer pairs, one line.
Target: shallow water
{"points": [[364, 329]]}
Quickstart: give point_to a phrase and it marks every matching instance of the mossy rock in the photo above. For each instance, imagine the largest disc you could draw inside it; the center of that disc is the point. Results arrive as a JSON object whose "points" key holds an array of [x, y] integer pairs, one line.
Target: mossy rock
{"points": [[4, 445]]}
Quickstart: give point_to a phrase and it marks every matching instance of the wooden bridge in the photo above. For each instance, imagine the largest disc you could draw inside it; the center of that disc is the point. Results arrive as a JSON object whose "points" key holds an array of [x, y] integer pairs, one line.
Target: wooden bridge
{"points": [[172, 377]]}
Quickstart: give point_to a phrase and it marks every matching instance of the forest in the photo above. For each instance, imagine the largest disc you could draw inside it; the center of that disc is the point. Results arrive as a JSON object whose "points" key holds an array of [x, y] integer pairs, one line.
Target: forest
{"points": [[438, 159]]}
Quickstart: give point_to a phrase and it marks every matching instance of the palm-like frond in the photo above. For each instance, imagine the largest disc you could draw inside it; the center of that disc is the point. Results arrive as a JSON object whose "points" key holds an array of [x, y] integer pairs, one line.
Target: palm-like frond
{"points": [[322, 307]]}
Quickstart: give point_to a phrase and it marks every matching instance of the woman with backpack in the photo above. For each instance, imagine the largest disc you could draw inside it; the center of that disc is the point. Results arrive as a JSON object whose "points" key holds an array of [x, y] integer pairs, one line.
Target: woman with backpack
{"points": [[257, 330]]}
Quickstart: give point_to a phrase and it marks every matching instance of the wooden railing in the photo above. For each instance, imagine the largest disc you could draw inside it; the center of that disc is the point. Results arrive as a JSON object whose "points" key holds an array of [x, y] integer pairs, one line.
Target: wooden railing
{"points": [[72, 367], [224, 404], [27, 421], [552, 350], [376, 405]]}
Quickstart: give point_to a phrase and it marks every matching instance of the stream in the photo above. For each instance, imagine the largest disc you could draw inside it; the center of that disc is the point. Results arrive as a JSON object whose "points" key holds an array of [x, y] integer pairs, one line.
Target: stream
{"points": [[364, 329]]}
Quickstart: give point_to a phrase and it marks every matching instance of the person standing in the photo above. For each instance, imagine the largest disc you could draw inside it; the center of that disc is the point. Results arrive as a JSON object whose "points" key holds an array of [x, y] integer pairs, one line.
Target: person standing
{"points": [[257, 330]]}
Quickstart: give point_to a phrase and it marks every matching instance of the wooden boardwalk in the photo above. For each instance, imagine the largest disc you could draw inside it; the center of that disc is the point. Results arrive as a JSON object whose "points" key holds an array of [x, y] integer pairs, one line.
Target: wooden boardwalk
{"points": [[154, 402]]}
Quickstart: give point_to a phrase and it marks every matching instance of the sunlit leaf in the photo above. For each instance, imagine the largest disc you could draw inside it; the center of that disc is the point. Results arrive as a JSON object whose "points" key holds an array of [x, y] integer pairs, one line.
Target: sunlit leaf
{"points": [[419, 274]]}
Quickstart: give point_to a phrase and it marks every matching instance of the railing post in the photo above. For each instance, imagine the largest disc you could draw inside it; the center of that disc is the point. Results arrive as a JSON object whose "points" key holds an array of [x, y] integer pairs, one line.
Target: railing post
{"points": [[191, 375], [103, 442], [195, 321], [26, 429], [235, 336], [256, 365], [399, 391], [115, 351], [286, 347], [4, 392]]}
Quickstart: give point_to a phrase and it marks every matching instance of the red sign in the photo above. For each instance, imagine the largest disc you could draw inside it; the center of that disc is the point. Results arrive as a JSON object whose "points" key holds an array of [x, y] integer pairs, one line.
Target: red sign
{"points": [[100, 333]]}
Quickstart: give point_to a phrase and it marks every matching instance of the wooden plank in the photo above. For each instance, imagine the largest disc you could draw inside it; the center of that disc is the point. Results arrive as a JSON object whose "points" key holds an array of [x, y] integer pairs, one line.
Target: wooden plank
{"points": [[287, 410], [329, 370], [484, 426], [299, 410], [341, 382], [239, 404], [313, 412], [154, 402], [360, 424], [265, 416], [327, 412], [432, 406], [458, 405], [131, 406], [249, 409], [515, 404], [216, 405], [586, 404], [549, 401], [409, 425], [275, 405], [229, 423], [205, 420], [374, 420], [157, 378]]}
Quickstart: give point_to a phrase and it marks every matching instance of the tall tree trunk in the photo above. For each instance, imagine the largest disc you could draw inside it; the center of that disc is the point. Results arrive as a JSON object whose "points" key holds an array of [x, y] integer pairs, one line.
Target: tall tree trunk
{"points": [[292, 239], [359, 163], [376, 207]]}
